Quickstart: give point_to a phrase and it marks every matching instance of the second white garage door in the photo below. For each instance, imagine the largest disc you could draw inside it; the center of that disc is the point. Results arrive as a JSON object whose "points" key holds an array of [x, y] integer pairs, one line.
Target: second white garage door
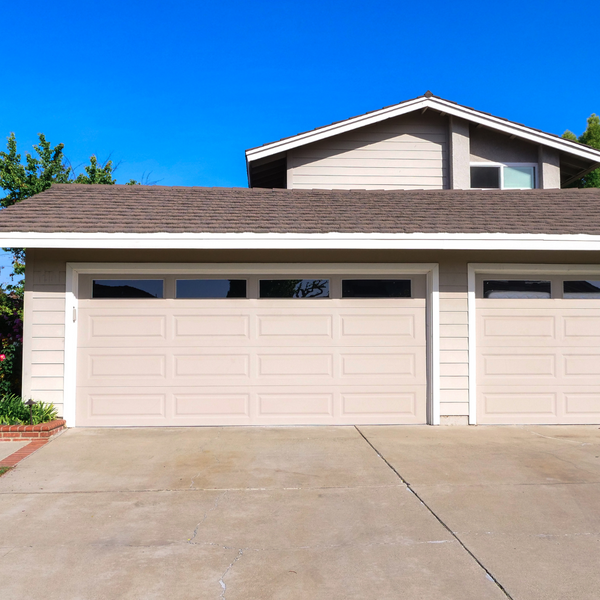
{"points": [[256, 351], [538, 350]]}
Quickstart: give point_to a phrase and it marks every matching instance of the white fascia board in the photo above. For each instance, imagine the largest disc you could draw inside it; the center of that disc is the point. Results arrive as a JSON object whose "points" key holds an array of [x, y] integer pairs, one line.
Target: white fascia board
{"points": [[293, 241], [456, 110], [335, 129], [516, 129]]}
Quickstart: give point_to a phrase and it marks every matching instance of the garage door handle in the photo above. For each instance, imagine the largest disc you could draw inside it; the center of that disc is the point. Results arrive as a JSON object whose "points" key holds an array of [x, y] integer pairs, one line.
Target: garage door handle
{"points": [[74, 314]]}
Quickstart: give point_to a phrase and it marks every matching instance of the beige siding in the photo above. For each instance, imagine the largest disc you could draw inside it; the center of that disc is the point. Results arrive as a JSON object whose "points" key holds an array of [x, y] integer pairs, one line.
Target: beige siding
{"points": [[454, 341], [409, 152], [44, 338]]}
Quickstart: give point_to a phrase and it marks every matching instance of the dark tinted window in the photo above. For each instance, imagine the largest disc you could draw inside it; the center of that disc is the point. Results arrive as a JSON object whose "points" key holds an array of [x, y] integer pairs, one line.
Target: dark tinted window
{"points": [[485, 177], [581, 289], [294, 288], [211, 288], [127, 288], [516, 289], [376, 288]]}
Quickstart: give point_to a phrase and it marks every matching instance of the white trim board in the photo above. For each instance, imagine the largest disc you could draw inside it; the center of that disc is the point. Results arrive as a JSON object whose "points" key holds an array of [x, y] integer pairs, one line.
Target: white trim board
{"points": [[420, 103], [294, 241], [431, 270], [473, 269]]}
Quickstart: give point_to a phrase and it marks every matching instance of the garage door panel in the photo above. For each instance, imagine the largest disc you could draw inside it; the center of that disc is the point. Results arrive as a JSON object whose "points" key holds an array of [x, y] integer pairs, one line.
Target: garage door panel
{"points": [[504, 329], [582, 404], [214, 326], [288, 364], [579, 366], [580, 326], [122, 329], [271, 328], [383, 404], [515, 366], [211, 404], [519, 406], [111, 403], [316, 404], [214, 365], [105, 367]]}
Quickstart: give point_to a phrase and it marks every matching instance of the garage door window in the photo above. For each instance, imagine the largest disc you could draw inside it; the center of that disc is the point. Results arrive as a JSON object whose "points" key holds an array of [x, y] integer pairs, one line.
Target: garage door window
{"points": [[376, 288], [581, 289], [294, 288], [211, 288], [505, 288], [128, 288]]}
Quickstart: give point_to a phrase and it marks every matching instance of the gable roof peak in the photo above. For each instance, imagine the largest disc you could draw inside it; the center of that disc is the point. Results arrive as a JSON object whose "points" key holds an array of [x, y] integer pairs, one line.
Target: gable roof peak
{"points": [[428, 94]]}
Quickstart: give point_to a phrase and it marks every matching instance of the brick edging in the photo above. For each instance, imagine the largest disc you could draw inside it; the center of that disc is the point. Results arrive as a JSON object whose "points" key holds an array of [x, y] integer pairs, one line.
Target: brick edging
{"points": [[23, 432]]}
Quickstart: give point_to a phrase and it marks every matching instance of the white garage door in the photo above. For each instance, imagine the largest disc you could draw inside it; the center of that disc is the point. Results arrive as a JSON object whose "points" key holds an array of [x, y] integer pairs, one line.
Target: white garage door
{"points": [[538, 350], [251, 350]]}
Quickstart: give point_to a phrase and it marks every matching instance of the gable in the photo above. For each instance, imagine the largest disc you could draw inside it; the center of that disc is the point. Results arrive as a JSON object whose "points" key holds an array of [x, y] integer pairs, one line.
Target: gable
{"points": [[575, 159]]}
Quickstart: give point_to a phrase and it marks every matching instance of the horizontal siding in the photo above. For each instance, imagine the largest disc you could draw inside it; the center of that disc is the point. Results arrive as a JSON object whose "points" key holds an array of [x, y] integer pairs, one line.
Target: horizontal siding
{"points": [[408, 152], [454, 341], [45, 296]]}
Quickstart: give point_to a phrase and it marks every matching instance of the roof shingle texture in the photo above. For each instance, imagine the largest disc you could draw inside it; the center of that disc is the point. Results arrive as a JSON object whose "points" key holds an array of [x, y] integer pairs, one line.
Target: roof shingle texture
{"points": [[154, 209]]}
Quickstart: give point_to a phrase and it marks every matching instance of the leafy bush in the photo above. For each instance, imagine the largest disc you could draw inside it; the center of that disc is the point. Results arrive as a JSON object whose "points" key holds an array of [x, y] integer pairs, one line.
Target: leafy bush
{"points": [[11, 338], [13, 411]]}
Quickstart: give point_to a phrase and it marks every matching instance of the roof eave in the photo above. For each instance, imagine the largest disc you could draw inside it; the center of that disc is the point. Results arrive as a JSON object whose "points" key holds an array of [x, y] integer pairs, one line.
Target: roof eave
{"points": [[303, 241]]}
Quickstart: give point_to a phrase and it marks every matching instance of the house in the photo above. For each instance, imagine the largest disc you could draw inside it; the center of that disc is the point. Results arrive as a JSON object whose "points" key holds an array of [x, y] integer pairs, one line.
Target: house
{"points": [[423, 263]]}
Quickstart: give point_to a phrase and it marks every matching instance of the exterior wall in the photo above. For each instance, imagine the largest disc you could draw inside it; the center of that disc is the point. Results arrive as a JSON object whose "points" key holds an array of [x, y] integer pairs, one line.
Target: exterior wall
{"points": [[408, 152], [549, 167], [490, 146], [460, 172], [45, 298], [44, 330]]}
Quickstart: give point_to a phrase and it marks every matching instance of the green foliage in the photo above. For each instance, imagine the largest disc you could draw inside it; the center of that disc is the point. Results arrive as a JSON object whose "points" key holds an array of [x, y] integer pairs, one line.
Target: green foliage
{"points": [[97, 173], [591, 137], [13, 411]]}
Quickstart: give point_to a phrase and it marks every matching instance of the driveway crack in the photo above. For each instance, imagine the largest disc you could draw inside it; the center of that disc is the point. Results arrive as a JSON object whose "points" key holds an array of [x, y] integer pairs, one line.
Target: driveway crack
{"points": [[214, 507], [438, 519], [222, 580]]}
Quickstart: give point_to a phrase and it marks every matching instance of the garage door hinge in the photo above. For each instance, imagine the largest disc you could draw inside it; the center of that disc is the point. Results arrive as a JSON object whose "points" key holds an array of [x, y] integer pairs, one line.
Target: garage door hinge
{"points": [[74, 314]]}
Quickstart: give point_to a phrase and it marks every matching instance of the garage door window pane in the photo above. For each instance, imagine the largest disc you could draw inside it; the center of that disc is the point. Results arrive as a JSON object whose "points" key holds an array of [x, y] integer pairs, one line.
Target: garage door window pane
{"points": [[127, 288], [294, 288], [581, 289], [376, 288], [211, 288], [516, 289]]}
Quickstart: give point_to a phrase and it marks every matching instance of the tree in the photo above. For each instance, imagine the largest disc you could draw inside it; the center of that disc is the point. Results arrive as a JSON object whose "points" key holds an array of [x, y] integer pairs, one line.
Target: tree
{"points": [[591, 137], [23, 179]]}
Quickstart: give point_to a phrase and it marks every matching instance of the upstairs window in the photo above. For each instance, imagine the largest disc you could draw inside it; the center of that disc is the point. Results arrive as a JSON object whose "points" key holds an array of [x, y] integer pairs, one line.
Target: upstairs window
{"points": [[513, 176]]}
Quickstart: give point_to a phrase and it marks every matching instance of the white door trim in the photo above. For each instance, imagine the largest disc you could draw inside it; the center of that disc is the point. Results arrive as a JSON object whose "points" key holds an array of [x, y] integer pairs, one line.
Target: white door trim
{"points": [[509, 269], [431, 270]]}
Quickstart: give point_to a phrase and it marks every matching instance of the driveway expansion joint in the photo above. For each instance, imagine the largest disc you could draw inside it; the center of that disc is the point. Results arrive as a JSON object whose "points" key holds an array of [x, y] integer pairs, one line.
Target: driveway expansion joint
{"points": [[452, 533]]}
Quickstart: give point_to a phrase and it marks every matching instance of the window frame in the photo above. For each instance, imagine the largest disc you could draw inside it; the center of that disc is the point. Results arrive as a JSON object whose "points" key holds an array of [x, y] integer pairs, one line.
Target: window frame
{"points": [[501, 166]]}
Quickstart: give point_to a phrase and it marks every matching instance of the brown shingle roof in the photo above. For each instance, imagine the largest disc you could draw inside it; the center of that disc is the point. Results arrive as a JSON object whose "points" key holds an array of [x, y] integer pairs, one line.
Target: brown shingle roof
{"points": [[150, 209]]}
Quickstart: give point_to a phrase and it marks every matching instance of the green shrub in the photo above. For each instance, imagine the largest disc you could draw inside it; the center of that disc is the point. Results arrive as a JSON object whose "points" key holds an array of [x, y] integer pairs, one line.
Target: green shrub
{"points": [[13, 411]]}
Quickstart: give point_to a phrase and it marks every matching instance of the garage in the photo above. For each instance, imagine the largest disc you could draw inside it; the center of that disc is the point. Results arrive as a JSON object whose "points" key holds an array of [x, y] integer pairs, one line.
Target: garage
{"points": [[538, 348], [238, 349]]}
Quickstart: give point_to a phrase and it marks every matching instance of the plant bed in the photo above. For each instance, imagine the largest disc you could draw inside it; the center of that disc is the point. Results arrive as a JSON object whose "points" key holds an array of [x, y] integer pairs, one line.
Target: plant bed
{"points": [[11, 433]]}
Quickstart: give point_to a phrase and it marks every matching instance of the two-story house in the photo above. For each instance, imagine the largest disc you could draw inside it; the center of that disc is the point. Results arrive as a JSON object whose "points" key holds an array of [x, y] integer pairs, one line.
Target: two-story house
{"points": [[423, 263]]}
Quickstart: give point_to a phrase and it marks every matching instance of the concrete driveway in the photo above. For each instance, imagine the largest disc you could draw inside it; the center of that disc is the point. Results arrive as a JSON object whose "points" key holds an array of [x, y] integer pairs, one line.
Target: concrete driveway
{"points": [[305, 512]]}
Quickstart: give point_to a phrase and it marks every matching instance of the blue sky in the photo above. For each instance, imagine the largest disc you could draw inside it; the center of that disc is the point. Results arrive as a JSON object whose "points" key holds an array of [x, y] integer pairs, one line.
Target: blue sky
{"points": [[178, 90]]}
